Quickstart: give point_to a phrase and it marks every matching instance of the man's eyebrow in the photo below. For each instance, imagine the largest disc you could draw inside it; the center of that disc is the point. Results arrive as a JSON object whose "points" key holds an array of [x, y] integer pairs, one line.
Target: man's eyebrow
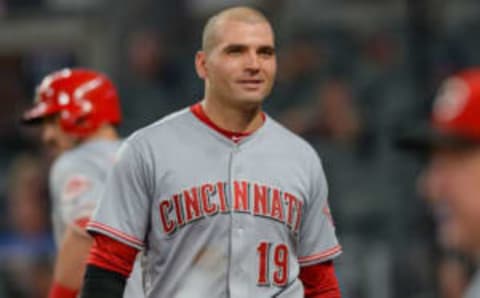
{"points": [[234, 46], [266, 48], [229, 47]]}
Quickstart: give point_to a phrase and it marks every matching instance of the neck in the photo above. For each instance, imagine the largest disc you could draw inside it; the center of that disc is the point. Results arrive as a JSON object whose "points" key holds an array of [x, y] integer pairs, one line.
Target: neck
{"points": [[233, 118], [106, 132]]}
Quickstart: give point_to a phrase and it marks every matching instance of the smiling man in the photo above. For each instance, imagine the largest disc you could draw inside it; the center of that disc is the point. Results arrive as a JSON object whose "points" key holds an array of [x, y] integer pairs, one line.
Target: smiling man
{"points": [[223, 199]]}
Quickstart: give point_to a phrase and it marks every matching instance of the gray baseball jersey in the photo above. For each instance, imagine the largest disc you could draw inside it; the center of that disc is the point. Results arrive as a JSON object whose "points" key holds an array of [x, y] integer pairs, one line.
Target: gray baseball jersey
{"points": [[77, 178], [473, 290], [218, 218]]}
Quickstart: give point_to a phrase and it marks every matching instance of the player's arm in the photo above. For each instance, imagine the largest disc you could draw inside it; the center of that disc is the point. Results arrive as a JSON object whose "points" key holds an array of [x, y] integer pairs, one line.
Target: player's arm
{"points": [[72, 193], [120, 222], [109, 264], [70, 264], [320, 281], [318, 242]]}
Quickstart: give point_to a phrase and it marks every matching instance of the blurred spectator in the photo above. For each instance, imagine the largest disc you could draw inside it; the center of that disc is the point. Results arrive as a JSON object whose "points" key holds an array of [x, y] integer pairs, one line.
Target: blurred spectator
{"points": [[300, 65], [152, 79], [385, 89], [11, 95], [149, 61], [26, 247], [332, 114]]}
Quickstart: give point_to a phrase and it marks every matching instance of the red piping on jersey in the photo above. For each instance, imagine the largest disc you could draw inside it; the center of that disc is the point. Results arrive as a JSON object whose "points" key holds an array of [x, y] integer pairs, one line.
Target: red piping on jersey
{"points": [[198, 111], [115, 232], [112, 255], [320, 281], [322, 255]]}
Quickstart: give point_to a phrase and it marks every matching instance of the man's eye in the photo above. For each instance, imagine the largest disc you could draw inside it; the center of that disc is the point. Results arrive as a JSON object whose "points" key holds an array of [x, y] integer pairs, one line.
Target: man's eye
{"points": [[266, 52], [234, 50]]}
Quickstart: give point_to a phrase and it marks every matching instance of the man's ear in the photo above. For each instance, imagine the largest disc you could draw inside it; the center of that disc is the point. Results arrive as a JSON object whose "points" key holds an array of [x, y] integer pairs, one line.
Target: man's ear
{"points": [[200, 64]]}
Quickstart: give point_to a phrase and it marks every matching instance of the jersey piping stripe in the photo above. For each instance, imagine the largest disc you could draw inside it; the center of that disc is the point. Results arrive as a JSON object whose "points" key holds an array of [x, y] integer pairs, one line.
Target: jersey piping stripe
{"points": [[329, 252], [115, 232], [198, 111]]}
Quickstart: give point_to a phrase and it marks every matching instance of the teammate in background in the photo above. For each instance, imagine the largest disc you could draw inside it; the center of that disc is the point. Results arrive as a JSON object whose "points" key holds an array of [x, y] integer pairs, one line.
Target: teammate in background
{"points": [[451, 180], [78, 110], [224, 200]]}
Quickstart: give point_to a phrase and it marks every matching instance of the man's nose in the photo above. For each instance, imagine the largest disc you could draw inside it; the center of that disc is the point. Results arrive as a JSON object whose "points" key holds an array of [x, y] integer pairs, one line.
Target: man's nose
{"points": [[48, 133], [253, 62]]}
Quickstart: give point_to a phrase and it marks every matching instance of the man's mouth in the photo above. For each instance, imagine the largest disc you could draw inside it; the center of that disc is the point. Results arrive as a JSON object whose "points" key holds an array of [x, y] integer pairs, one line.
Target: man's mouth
{"points": [[251, 83]]}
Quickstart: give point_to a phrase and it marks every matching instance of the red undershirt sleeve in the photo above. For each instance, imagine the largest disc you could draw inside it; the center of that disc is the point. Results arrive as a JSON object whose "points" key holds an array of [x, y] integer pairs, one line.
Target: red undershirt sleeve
{"points": [[320, 281], [110, 254]]}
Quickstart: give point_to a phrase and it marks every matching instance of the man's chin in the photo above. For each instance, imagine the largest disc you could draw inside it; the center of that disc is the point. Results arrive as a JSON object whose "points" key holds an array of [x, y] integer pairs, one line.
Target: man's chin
{"points": [[253, 99], [53, 152]]}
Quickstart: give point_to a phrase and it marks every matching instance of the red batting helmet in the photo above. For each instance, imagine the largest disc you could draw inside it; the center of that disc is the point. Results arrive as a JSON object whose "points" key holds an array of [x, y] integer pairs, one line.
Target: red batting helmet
{"points": [[83, 99], [455, 119]]}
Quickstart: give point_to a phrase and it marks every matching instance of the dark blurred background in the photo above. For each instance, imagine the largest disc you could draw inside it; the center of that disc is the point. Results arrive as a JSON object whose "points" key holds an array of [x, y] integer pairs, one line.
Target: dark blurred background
{"points": [[353, 74]]}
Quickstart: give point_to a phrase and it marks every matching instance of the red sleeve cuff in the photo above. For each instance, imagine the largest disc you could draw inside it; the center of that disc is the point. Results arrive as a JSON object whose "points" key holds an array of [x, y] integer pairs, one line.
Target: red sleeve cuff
{"points": [[110, 254], [320, 281], [59, 291]]}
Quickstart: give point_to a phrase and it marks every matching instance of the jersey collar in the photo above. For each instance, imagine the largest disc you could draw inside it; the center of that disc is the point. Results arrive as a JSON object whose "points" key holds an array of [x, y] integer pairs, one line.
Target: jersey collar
{"points": [[235, 137]]}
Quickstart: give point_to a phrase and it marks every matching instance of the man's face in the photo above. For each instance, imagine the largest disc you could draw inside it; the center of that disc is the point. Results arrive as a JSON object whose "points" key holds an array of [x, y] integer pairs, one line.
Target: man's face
{"points": [[451, 183], [54, 138], [240, 68]]}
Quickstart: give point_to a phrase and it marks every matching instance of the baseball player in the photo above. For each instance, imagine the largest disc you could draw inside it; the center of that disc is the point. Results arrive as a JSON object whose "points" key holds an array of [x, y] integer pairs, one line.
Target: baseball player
{"points": [[223, 199], [78, 110], [451, 179]]}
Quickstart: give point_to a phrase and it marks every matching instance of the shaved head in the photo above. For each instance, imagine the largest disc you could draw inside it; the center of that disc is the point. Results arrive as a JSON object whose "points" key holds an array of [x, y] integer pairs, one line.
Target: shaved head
{"points": [[239, 14]]}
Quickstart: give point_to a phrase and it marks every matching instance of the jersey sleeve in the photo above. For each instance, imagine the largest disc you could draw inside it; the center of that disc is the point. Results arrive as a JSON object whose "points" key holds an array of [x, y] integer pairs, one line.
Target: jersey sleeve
{"points": [[123, 210], [317, 241], [75, 188]]}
